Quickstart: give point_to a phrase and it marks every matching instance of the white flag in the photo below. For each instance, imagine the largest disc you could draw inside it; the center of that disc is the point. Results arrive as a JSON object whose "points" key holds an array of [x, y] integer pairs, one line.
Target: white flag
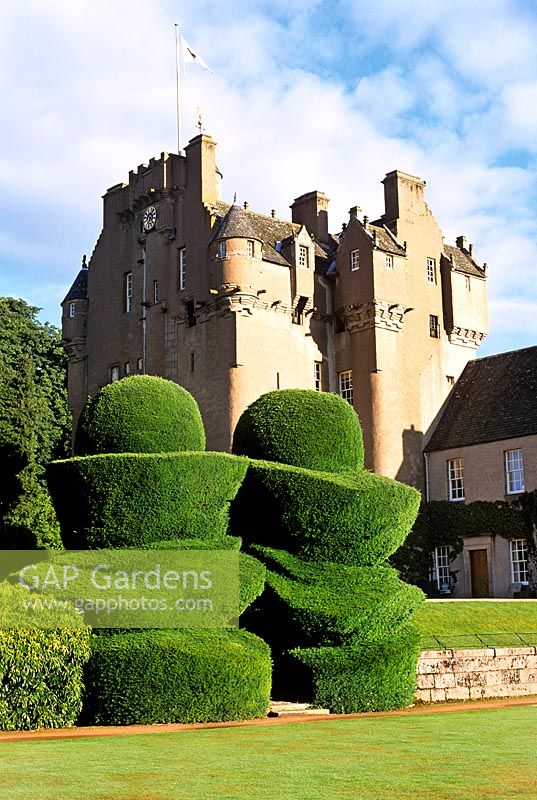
{"points": [[190, 55]]}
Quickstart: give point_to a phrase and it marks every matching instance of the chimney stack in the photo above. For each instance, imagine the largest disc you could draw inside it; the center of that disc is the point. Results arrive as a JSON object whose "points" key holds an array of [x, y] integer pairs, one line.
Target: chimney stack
{"points": [[311, 210]]}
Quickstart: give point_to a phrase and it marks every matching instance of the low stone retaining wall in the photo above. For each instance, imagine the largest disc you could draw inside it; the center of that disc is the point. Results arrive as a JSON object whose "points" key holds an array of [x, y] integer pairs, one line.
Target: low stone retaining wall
{"points": [[472, 674]]}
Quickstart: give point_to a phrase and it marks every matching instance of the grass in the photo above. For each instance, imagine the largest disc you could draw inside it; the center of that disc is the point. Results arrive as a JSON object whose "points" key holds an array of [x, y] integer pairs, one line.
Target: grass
{"points": [[470, 755], [455, 623]]}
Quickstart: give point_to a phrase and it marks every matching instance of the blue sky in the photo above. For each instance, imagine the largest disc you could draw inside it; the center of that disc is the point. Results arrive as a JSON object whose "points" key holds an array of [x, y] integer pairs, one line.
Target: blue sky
{"points": [[308, 95]]}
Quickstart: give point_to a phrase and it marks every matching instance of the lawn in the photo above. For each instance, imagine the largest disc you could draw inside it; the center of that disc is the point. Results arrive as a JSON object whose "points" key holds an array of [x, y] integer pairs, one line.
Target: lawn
{"points": [[452, 623], [470, 755]]}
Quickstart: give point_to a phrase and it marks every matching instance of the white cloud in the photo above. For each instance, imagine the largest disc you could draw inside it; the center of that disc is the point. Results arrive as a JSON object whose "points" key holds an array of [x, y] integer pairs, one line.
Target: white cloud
{"points": [[308, 95]]}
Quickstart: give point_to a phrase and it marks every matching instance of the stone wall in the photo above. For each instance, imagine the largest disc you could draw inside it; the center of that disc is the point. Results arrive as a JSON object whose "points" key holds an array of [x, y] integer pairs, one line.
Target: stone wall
{"points": [[473, 674]]}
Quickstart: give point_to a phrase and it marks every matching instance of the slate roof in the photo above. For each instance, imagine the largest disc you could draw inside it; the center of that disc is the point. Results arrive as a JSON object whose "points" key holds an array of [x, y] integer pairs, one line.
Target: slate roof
{"points": [[384, 240], [79, 289], [462, 261], [235, 225], [495, 398], [269, 230]]}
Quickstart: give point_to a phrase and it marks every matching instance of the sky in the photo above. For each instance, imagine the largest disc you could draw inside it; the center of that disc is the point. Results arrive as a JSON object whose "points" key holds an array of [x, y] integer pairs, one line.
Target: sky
{"points": [[307, 95]]}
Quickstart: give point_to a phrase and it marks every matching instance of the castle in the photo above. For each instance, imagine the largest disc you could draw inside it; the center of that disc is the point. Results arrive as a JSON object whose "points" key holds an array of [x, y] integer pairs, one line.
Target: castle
{"points": [[231, 303]]}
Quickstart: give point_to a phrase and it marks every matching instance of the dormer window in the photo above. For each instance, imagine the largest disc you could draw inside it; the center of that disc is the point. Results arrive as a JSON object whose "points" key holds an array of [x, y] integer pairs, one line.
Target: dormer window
{"points": [[72, 310], [303, 256], [222, 250], [250, 248]]}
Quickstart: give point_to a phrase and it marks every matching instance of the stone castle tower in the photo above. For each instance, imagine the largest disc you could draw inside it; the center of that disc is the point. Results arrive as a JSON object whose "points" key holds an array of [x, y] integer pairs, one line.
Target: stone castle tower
{"points": [[231, 303]]}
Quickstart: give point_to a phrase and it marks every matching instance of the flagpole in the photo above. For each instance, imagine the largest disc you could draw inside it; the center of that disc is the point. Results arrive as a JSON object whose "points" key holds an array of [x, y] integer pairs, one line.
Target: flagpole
{"points": [[178, 68]]}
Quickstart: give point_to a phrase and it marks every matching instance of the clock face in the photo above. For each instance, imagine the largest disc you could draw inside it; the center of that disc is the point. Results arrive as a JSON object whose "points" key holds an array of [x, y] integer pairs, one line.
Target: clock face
{"points": [[150, 218]]}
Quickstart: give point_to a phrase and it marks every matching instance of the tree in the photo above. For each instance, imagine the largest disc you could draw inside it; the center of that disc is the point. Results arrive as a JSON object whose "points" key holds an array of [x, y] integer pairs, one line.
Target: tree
{"points": [[34, 423]]}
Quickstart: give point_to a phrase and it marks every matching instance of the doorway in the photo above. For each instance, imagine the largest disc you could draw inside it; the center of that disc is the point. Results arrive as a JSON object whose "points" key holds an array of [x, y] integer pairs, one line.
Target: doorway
{"points": [[479, 572]]}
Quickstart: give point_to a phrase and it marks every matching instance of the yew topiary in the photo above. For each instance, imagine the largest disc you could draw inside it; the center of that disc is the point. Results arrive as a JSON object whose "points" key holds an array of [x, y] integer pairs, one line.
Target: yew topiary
{"points": [[316, 430], [140, 414]]}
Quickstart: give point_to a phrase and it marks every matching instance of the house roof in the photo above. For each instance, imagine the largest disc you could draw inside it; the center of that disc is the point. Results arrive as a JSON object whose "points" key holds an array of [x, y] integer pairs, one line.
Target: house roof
{"points": [[79, 289], [269, 230], [384, 239], [462, 261], [495, 398], [235, 225]]}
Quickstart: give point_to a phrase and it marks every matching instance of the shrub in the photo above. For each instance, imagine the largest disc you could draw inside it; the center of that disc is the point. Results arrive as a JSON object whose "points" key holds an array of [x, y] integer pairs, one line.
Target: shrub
{"points": [[183, 675], [40, 671], [371, 677], [331, 604], [251, 571], [356, 518], [131, 500], [316, 430], [140, 414]]}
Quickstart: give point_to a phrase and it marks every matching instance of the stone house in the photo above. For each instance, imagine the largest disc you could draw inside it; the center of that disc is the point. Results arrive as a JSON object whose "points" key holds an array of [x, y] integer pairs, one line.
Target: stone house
{"points": [[484, 447]]}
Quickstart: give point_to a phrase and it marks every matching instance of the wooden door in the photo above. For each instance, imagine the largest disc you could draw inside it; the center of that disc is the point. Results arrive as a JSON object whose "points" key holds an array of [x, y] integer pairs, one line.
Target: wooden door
{"points": [[479, 570]]}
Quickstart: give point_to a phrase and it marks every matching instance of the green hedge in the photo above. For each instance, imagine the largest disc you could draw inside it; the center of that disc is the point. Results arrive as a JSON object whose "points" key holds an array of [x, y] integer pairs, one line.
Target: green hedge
{"points": [[373, 677], [251, 571], [40, 672], [131, 500], [176, 676], [331, 604], [140, 414], [316, 430], [356, 518]]}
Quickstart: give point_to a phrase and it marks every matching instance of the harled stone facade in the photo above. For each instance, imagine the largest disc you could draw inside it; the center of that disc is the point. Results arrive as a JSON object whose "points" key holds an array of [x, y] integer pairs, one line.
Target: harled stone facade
{"points": [[231, 303]]}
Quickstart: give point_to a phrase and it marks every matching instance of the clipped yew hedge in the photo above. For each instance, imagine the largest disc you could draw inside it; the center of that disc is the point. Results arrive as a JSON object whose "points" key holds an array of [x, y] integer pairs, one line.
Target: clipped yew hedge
{"points": [[140, 414], [353, 518], [185, 675], [331, 604], [252, 572], [301, 427], [371, 677], [131, 500], [41, 670]]}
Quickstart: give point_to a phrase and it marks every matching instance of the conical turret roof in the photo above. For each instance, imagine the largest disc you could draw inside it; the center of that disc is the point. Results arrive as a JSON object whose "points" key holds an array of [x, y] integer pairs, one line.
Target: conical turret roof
{"points": [[79, 289], [236, 225]]}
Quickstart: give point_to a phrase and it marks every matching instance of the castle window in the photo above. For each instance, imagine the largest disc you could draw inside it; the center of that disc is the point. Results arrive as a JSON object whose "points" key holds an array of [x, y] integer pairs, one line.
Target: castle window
{"points": [[519, 561], [431, 270], [72, 309], [303, 256], [155, 291], [222, 250], [317, 372], [127, 368], [455, 469], [434, 328], [345, 386], [355, 260], [298, 313], [192, 362], [190, 313], [389, 262], [250, 248], [514, 471], [140, 364], [181, 270], [114, 373], [450, 379], [128, 292], [468, 284], [441, 577]]}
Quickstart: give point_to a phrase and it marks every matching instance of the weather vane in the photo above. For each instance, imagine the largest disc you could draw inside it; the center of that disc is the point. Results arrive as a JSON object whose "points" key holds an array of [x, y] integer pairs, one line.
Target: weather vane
{"points": [[200, 123]]}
